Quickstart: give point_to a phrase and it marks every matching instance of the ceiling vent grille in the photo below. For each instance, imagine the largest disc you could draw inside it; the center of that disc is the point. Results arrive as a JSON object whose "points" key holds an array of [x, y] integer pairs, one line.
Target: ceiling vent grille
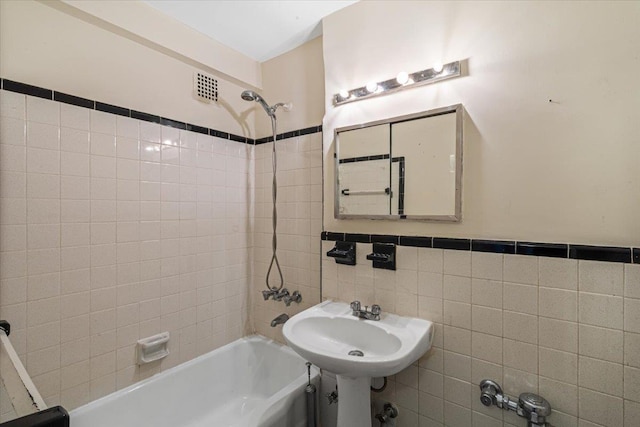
{"points": [[205, 87]]}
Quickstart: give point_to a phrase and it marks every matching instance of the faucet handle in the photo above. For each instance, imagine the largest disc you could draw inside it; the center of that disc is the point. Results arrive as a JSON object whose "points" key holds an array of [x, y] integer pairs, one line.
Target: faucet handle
{"points": [[375, 309], [355, 306], [267, 294], [282, 293]]}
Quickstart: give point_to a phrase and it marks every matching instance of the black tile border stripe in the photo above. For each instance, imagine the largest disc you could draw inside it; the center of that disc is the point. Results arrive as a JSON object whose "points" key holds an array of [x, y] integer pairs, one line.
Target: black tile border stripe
{"points": [[554, 250], [27, 89], [113, 109], [455, 244], [290, 134], [420, 242], [173, 123], [74, 100], [145, 117], [382, 238], [327, 235], [495, 246], [197, 129], [600, 253], [357, 238]]}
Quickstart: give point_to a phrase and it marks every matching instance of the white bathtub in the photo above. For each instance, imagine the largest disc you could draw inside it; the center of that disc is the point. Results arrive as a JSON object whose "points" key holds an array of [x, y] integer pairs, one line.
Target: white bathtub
{"points": [[252, 382]]}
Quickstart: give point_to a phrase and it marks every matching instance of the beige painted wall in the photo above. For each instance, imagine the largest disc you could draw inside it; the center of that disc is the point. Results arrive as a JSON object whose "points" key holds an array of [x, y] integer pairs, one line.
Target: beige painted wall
{"points": [[297, 77], [566, 170], [57, 47], [155, 27]]}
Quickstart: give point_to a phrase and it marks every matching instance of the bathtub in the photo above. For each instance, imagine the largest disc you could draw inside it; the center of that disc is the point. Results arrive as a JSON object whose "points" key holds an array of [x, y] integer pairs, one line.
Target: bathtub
{"points": [[252, 382]]}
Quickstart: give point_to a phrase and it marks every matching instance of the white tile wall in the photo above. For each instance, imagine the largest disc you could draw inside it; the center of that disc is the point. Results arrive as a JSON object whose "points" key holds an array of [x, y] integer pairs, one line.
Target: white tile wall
{"points": [[563, 328], [112, 229], [299, 225]]}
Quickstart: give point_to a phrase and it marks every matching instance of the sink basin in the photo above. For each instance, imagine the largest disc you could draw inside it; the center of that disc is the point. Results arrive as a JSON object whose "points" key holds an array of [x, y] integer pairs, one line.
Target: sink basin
{"points": [[326, 333], [354, 349]]}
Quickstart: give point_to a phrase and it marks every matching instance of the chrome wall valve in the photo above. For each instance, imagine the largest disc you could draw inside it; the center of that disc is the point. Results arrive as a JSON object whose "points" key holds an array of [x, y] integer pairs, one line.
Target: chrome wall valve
{"points": [[296, 297], [271, 293], [489, 390], [534, 408]]}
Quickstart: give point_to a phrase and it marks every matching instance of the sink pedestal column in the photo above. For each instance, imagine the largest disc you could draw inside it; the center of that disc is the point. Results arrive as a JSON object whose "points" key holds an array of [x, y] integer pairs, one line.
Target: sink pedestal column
{"points": [[354, 401]]}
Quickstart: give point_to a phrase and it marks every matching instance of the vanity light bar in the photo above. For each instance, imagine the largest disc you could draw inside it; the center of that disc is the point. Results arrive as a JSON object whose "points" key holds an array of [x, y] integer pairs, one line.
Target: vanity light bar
{"points": [[402, 81]]}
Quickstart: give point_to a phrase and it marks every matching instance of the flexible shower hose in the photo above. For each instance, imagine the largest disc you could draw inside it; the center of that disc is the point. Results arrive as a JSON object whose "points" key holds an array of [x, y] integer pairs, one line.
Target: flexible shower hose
{"points": [[274, 217]]}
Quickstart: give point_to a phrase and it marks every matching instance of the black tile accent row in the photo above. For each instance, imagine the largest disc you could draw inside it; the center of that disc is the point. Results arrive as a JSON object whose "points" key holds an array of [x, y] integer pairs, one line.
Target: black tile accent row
{"points": [[358, 238], [239, 138], [334, 237], [381, 238], [39, 92], [218, 133], [198, 129], [555, 250], [74, 100], [456, 244], [420, 242], [27, 89], [145, 116], [173, 123], [113, 109], [290, 134], [496, 246], [264, 140], [600, 253]]}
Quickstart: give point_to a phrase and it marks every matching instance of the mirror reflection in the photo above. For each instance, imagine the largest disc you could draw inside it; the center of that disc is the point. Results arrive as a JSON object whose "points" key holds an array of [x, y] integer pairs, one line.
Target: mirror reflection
{"points": [[402, 168]]}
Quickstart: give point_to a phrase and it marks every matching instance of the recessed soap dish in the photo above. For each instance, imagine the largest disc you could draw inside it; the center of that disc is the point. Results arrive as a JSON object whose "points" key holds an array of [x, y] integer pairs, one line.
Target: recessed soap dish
{"points": [[153, 348]]}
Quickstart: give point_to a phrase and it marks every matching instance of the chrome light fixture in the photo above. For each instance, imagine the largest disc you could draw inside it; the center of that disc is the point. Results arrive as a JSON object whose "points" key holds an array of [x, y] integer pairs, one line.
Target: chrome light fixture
{"points": [[404, 80]]}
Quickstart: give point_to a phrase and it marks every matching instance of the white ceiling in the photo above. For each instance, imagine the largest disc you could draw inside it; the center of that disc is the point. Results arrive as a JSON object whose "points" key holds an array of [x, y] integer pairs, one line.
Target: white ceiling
{"points": [[260, 29]]}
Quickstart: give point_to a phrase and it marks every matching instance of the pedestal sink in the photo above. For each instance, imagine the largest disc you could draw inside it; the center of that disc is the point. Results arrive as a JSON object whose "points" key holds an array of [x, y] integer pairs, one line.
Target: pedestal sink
{"points": [[356, 350]]}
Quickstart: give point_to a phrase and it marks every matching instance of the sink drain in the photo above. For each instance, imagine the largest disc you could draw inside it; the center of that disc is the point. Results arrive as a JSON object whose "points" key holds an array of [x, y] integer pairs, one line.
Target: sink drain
{"points": [[356, 353]]}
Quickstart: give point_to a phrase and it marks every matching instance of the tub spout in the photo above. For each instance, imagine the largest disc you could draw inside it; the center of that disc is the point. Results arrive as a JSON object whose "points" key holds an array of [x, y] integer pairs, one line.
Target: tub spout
{"points": [[279, 320]]}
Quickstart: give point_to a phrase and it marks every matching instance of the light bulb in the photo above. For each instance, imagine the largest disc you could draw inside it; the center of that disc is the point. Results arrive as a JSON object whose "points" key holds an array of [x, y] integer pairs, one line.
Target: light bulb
{"points": [[372, 87], [438, 67], [402, 77], [344, 94]]}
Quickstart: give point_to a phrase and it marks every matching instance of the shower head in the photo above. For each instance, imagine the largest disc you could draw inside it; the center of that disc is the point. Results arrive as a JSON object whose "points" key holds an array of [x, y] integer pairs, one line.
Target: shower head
{"points": [[249, 95]]}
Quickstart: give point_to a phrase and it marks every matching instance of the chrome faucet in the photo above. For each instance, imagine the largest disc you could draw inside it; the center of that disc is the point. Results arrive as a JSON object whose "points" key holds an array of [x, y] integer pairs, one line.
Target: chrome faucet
{"points": [[374, 314], [294, 297], [279, 320], [282, 295]]}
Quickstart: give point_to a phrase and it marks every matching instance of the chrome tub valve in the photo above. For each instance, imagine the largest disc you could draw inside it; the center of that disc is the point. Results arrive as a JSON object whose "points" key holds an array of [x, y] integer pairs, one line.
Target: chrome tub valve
{"points": [[294, 297], [271, 293]]}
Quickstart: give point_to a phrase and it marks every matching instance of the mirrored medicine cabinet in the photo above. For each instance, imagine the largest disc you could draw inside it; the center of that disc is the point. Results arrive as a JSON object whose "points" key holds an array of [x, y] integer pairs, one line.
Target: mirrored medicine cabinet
{"points": [[403, 168]]}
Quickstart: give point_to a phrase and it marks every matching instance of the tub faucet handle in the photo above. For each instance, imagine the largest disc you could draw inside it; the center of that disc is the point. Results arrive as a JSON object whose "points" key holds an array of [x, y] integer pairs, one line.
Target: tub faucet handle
{"points": [[375, 309], [269, 293], [296, 297], [355, 305]]}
